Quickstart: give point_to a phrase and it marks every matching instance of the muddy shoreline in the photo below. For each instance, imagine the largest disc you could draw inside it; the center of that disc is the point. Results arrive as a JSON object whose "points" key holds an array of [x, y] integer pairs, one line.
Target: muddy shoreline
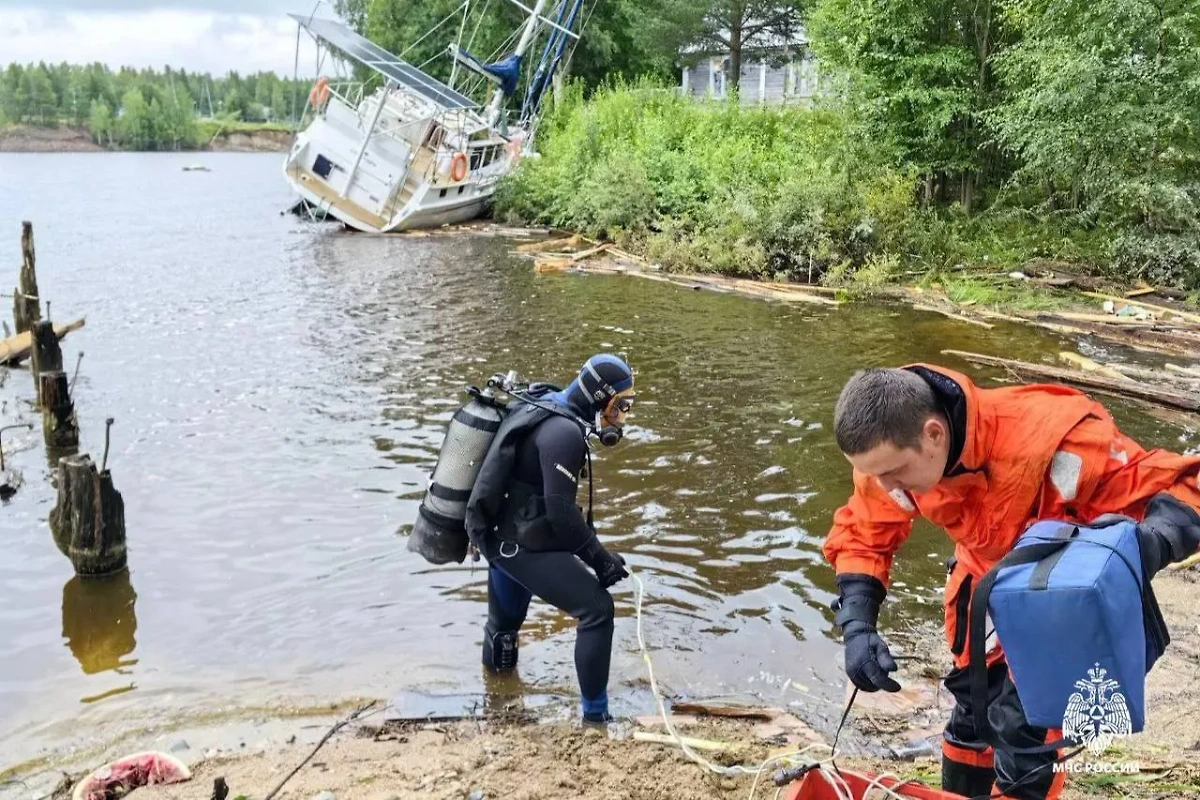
{"points": [[545, 753]]}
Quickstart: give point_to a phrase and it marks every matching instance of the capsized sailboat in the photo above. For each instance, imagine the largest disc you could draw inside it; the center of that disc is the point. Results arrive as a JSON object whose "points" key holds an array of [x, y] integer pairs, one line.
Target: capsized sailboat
{"points": [[402, 149]]}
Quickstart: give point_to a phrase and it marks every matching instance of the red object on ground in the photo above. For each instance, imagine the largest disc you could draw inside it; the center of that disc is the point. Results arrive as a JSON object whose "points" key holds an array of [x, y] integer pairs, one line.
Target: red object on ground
{"points": [[122, 776], [816, 786]]}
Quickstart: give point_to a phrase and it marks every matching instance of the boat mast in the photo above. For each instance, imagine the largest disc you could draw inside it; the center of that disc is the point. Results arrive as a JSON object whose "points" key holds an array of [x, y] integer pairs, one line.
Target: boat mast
{"points": [[522, 46]]}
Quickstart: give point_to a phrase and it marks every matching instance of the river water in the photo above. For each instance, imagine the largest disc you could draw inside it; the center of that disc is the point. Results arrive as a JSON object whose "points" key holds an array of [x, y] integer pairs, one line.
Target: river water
{"points": [[280, 391]]}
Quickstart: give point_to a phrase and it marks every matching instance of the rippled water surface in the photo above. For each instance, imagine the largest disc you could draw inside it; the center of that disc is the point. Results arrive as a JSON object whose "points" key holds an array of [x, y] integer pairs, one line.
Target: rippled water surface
{"points": [[280, 391]]}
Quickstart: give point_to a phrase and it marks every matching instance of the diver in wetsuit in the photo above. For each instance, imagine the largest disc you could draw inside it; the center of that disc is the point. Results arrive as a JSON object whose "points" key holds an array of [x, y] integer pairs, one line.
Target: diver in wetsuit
{"points": [[523, 518]]}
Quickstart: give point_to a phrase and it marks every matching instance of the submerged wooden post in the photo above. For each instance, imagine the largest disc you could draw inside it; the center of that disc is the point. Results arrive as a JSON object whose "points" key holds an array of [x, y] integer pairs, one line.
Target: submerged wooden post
{"points": [[46, 355], [26, 301], [60, 428], [88, 520]]}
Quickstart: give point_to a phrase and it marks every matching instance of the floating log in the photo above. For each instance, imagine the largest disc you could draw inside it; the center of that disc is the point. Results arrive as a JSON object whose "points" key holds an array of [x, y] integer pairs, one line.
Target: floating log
{"points": [[550, 264], [16, 349], [549, 244], [797, 293], [46, 355], [1088, 365], [60, 428], [26, 300], [88, 519], [591, 251], [1185, 381], [1122, 388], [1179, 342]]}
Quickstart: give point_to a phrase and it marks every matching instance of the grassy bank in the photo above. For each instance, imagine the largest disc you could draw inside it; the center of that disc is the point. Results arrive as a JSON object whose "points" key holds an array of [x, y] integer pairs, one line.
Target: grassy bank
{"points": [[795, 194]]}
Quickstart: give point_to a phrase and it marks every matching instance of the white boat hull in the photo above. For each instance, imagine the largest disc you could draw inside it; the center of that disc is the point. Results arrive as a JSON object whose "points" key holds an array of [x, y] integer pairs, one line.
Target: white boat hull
{"points": [[385, 182]]}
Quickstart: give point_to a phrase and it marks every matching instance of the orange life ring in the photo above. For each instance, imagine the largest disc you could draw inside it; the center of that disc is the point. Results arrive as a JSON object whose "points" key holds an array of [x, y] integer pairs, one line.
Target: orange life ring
{"points": [[456, 174], [319, 92]]}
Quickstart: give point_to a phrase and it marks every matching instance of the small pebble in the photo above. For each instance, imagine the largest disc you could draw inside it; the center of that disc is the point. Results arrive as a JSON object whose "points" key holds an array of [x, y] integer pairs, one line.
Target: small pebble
{"points": [[180, 746], [325, 796], [476, 795]]}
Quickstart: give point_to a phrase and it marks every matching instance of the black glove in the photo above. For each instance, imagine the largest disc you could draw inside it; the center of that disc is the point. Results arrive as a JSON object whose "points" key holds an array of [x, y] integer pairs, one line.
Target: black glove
{"points": [[868, 659], [609, 568], [1169, 532]]}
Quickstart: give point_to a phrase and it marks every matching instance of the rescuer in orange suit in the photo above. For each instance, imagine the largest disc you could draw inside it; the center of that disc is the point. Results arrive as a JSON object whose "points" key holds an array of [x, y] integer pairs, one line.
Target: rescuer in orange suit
{"points": [[984, 464]]}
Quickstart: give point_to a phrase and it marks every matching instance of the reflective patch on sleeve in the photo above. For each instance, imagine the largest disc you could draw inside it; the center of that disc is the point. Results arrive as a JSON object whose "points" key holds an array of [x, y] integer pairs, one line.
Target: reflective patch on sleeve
{"points": [[1065, 470], [902, 500], [565, 471]]}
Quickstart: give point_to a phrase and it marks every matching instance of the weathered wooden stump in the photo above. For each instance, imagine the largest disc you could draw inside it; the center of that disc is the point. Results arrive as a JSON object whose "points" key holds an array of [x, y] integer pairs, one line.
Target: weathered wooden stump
{"points": [[46, 355], [88, 520], [60, 428], [26, 301]]}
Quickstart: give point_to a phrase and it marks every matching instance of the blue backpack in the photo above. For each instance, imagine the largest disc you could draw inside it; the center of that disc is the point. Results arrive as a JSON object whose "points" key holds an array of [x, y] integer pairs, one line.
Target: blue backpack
{"points": [[1080, 628]]}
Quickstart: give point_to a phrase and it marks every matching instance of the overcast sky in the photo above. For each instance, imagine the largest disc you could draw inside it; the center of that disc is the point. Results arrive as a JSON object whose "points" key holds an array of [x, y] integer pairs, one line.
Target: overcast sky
{"points": [[204, 35]]}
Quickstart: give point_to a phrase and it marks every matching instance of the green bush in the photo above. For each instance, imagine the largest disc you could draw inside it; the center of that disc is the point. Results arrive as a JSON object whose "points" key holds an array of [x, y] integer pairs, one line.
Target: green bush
{"points": [[710, 186], [1160, 259], [802, 194]]}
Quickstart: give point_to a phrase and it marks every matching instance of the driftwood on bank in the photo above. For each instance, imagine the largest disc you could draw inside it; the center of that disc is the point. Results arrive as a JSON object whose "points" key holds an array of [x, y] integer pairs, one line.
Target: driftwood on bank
{"points": [[1090, 380], [26, 302], [1190, 317], [1154, 338], [88, 519], [552, 257], [16, 349]]}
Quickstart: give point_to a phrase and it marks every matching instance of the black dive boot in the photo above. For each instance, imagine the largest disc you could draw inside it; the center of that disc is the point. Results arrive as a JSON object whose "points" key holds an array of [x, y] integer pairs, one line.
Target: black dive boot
{"points": [[499, 650]]}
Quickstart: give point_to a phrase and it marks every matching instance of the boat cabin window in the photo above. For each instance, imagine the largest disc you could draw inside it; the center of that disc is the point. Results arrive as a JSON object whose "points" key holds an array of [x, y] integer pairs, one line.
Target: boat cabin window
{"points": [[483, 156]]}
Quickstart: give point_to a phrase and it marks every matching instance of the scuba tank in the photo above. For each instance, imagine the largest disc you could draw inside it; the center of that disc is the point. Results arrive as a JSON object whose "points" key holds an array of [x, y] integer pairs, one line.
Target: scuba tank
{"points": [[440, 534]]}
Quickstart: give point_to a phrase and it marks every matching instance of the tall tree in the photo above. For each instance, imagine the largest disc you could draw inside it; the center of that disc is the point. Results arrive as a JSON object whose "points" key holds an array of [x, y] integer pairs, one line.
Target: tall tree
{"points": [[919, 74], [43, 103], [746, 28]]}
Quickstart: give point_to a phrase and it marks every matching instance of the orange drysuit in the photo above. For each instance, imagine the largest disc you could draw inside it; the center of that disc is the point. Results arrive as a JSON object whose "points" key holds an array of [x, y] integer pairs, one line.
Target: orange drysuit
{"points": [[1027, 453]]}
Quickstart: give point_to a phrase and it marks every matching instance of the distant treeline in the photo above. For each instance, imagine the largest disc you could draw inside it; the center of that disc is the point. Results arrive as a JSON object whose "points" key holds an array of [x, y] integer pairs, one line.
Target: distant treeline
{"points": [[143, 109]]}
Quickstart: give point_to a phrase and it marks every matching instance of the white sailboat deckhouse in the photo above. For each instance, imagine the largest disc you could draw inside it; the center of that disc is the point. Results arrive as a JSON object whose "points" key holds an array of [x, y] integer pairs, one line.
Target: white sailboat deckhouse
{"points": [[404, 150]]}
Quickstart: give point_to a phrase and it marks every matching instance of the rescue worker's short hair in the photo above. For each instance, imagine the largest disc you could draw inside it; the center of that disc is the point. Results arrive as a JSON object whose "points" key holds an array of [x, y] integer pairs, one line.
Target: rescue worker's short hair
{"points": [[880, 405]]}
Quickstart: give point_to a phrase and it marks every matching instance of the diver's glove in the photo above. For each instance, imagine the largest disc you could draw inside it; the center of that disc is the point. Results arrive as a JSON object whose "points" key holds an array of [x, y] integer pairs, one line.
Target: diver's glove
{"points": [[868, 659], [609, 568], [1169, 532]]}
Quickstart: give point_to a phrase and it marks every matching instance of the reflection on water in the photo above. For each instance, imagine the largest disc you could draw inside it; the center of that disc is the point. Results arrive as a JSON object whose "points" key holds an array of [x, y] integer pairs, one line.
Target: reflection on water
{"points": [[99, 622], [281, 392]]}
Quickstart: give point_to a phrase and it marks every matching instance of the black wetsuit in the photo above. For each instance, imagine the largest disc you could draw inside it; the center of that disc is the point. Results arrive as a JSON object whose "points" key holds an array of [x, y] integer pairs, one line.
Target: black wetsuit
{"points": [[551, 459]]}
